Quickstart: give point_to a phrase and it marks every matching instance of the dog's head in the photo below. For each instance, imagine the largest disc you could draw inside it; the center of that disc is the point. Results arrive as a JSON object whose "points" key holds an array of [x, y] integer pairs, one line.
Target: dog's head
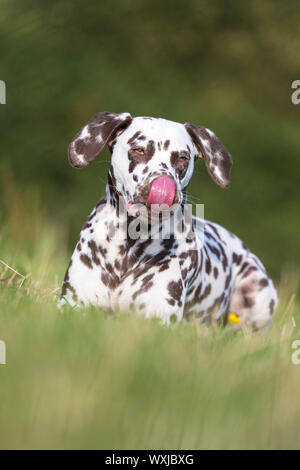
{"points": [[152, 159]]}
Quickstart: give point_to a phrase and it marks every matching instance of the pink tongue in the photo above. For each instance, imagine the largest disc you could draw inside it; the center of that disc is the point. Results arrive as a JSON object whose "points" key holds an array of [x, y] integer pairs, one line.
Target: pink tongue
{"points": [[162, 191]]}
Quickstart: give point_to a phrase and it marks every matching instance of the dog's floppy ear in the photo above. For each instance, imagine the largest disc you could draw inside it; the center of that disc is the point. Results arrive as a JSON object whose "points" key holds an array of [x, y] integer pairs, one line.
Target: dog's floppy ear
{"points": [[89, 142], [217, 159]]}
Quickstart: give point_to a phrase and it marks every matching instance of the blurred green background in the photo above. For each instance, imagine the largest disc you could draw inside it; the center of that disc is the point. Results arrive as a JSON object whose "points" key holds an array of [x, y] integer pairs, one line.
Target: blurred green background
{"points": [[226, 65]]}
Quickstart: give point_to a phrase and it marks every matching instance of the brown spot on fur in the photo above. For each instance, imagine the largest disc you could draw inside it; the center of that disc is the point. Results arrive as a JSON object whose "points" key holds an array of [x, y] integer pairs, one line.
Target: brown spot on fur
{"points": [[206, 292], [103, 251], [135, 159], [144, 288], [166, 145], [180, 165], [122, 250], [175, 289], [174, 158], [198, 298], [109, 281], [207, 265], [68, 287], [243, 267], [133, 138], [117, 265], [227, 282], [184, 273], [66, 284], [263, 283], [271, 306], [93, 247], [248, 271], [213, 250], [164, 266], [215, 230], [237, 259], [150, 149], [248, 301], [86, 260], [147, 278]]}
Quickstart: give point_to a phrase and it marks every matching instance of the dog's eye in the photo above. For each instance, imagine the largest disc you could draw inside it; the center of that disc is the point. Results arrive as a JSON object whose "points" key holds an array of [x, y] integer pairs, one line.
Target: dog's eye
{"points": [[183, 157], [139, 150]]}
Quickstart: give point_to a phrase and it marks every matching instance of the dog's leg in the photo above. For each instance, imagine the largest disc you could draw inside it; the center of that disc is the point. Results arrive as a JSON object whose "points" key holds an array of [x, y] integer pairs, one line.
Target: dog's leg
{"points": [[254, 297], [159, 292]]}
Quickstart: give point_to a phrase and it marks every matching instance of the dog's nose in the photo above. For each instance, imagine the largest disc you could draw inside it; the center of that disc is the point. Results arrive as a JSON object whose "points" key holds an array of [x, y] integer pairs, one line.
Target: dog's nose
{"points": [[162, 191]]}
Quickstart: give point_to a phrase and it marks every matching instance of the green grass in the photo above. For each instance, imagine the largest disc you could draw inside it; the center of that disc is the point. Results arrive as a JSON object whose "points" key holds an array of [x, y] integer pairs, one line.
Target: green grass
{"points": [[80, 379]]}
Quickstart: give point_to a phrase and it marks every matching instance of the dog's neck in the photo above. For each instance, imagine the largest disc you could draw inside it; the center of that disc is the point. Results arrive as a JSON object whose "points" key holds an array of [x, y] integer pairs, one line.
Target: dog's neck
{"points": [[121, 229]]}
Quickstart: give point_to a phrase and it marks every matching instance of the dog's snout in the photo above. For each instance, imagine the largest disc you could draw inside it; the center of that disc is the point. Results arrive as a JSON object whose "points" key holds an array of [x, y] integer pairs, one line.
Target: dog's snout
{"points": [[162, 191]]}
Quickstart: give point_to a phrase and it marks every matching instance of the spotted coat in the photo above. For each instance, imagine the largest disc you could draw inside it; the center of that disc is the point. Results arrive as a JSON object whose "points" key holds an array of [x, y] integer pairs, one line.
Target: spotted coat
{"points": [[204, 276]]}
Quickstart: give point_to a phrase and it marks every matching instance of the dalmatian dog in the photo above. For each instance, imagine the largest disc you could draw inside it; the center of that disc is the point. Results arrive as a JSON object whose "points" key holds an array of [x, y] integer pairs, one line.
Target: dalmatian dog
{"points": [[206, 273]]}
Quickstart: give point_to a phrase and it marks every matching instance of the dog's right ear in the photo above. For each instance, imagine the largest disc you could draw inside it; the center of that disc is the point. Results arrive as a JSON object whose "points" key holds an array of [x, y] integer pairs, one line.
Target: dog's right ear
{"points": [[98, 132]]}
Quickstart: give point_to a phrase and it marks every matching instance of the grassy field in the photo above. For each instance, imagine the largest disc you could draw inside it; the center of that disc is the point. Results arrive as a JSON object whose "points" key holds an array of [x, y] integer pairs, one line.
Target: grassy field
{"points": [[84, 380]]}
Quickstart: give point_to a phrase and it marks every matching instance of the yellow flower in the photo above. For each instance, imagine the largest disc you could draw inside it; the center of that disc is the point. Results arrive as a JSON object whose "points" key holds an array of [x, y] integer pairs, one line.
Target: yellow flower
{"points": [[233, 318]]}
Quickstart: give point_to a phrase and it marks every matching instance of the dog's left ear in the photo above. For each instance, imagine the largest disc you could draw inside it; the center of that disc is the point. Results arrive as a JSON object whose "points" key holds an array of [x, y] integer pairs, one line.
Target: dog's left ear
{"points": [[98, 132], [217, 159]]}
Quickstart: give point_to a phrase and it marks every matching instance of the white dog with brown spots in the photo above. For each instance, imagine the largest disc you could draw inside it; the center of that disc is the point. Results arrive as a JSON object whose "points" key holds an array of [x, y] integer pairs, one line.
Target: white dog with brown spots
{"points": [[205, 272]]}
